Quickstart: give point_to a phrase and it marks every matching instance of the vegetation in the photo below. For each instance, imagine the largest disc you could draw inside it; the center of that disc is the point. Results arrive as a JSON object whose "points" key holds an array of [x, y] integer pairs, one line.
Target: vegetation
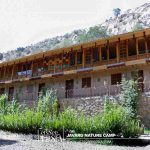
{"points": [[93, 33], [137, 26], [115, 118], [129, 97]]}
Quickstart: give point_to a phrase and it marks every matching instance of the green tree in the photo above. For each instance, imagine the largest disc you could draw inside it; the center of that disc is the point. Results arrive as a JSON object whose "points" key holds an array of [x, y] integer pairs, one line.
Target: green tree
{"points": [[129, 97], [93, 33]]}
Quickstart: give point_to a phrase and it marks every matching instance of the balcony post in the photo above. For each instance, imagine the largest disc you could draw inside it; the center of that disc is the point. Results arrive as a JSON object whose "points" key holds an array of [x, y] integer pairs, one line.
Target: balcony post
{"points": [[5, 67], [76, 59], [117, 51], [127, 50], [107, 51], [83, 58], [137, 48], [12, 74], [100, 54]]}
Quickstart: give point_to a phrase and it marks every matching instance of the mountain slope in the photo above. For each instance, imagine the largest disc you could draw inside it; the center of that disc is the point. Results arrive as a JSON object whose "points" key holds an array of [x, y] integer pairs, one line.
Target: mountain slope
{"points": [[132, 19]]}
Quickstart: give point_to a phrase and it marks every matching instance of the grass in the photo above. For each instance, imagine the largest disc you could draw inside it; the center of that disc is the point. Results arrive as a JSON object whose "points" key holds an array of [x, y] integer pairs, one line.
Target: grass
{"points": [[146, 131], [45, 116]]}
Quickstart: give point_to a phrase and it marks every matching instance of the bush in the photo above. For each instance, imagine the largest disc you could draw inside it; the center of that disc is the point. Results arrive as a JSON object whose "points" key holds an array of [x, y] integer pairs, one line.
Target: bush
{"points": [[129, 97], [114, 119]]}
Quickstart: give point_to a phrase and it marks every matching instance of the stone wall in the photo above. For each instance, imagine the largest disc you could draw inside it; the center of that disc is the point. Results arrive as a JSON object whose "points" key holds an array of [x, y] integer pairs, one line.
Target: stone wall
{"points": [[93, 105], [144, 110]]}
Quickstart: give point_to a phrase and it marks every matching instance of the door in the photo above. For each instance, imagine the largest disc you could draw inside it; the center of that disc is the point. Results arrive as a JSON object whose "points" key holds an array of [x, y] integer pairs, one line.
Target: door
{"points": [[69, 88], [2, 91], [11, 93], [141, 80], [41, 88]]}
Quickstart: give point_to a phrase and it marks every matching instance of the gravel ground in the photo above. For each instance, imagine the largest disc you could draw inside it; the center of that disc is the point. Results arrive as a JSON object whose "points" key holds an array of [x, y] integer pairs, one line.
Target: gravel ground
{"points": [[10, 141]]}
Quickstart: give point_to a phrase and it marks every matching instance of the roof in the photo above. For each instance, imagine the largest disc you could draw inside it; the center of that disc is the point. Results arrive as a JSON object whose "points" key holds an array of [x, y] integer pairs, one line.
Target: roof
{"points": [[97, 42]]}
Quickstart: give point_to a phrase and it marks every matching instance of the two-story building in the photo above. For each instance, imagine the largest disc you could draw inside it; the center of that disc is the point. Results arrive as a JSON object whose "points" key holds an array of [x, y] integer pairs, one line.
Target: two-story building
{"points": [[88, 69]]}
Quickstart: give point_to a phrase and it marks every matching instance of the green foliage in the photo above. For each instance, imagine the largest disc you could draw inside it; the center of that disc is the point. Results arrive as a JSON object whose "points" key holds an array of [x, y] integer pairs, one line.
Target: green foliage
{"points": [[47, 103], [93, 33], [14, 107], [114, 119], [3, 104], [131, 128], [137, 27], [129, 97]]}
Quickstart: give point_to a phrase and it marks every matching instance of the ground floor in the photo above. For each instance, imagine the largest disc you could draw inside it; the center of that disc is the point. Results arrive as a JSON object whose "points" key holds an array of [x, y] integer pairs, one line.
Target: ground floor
{"points": [[82, 84]]}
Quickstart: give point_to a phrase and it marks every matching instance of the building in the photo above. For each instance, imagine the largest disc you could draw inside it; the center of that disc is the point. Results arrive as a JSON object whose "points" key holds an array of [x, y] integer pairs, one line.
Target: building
{"points": [[88, 69]]}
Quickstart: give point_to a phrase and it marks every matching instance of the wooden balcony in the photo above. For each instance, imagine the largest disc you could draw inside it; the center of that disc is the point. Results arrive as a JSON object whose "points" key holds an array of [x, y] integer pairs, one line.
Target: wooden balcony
{"points": [[16, 76]]}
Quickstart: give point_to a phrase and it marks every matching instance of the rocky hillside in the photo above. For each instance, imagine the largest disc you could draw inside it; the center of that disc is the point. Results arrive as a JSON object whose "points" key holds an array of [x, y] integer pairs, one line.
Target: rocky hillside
{"points": [[130, 20]]}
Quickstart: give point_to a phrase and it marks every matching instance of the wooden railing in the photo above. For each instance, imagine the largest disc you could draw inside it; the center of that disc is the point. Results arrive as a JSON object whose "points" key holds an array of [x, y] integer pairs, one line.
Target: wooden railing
{"points": [[60, 70]]}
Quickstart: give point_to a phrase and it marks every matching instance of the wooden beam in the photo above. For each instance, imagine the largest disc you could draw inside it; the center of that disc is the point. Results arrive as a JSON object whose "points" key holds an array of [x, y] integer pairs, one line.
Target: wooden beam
{"points": [[108, 51], [83, 58], [137, 48], [117, 51], [100, 54], [12, 74], [127, 50]]}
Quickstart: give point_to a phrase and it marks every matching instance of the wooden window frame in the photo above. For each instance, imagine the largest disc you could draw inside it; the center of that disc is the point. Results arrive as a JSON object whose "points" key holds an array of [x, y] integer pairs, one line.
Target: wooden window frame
{"points": [[116, 78], [86, 82]]}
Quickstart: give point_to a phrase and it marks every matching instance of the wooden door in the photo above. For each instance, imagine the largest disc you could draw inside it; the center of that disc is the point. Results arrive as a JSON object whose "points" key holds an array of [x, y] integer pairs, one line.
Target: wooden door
{"points": [[2, 91], [141, 80], [41, 88], [69, 88], [11, 93]]}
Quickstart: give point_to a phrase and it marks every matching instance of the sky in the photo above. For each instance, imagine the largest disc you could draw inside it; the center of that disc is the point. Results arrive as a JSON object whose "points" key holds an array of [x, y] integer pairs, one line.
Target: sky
{"points": [[25, 22]]}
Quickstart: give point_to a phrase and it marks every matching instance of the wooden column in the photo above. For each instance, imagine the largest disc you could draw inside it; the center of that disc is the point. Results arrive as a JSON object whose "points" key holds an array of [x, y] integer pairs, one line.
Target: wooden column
{"points": [[32, 66], [100, 54], [12, 74], [83, 58], [127, 51], [5, 67], [137, 48], [92, 56], [76, 59], [54, 63], [108, 52], [117, 51]]}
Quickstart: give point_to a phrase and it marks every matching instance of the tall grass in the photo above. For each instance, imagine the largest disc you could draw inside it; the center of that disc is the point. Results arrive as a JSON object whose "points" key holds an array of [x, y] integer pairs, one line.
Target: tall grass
{"points": [[45, 116]]}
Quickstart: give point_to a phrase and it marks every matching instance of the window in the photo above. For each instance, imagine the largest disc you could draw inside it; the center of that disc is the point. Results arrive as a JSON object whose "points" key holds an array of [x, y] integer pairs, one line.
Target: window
{"points": [[2, 91], [122, 46], [79, 57], [66, 60], [95, 54], [58, 63], [30, 88], [141, 46], [86, 82], [104, 52], [112, 51], [72, 58], [41, 87], [88, 56], [132, 47], [116, 79]]}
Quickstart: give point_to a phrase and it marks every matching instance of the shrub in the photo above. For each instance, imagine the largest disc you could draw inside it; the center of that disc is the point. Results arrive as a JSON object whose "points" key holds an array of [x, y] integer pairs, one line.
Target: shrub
{"points": [[3, 104], [129, 97], [131, 128]]}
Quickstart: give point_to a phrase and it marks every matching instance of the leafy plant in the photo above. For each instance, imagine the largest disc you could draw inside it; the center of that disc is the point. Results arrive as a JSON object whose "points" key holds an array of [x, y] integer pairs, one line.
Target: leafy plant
{"points": [[129, 97], [3, 104]]}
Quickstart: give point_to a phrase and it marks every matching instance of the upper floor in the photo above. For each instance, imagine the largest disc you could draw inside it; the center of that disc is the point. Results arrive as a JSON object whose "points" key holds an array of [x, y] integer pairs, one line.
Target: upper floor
{"points": [[103, 53]]}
